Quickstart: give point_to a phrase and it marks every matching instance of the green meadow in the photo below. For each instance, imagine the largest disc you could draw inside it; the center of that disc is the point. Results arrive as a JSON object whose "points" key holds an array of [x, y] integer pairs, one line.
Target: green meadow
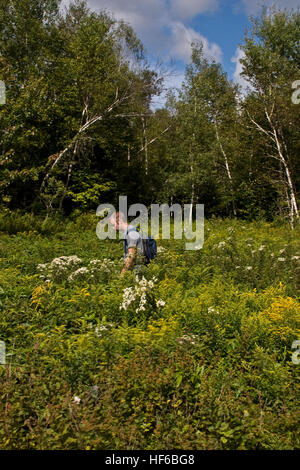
{"points": [[196, 354]]}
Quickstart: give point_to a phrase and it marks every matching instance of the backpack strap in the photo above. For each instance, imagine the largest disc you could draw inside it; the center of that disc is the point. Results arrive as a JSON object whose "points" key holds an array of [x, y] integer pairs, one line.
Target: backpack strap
{"points": [[125, 241], [144, 243]]}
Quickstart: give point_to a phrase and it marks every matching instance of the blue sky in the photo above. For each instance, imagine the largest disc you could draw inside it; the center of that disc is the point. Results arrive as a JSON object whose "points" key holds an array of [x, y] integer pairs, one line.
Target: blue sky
{"points": [[167, 28]]}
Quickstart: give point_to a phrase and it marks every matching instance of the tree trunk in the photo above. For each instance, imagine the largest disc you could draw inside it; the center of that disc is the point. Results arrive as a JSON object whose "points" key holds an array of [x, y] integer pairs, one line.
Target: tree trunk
{"points": [[293, 202], [226, 164], [82, 129], [192, 197], [145, 145], [273, 135]]}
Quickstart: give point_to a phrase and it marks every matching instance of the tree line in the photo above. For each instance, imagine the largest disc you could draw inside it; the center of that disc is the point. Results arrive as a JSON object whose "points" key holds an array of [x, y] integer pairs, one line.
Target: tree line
{"points": [[77, 128]]}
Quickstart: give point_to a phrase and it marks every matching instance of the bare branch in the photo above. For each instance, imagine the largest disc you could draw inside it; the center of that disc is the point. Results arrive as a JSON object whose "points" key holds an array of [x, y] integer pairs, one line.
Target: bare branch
{"points": [[155, 138], [83, 128], [268, 133]]}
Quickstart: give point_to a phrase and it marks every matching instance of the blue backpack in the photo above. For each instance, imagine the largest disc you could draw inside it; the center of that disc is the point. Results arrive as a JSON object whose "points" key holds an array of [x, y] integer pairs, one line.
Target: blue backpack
{"points": [[149, 247]]}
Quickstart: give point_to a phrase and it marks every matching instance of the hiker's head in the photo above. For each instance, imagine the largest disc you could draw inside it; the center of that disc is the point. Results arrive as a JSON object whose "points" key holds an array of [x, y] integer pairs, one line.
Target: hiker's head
{"points": [[118, 220]]}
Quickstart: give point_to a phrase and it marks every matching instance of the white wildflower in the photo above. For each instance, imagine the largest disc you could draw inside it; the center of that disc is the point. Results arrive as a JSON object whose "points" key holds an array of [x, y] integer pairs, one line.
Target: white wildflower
{"points": [[59, 267], [221, 244], [65, 261], [262, 247], [41, 267], [100, 328], [160, 303], [106, 265], [248, 268], [76, 400], [212, 310], [79, 273], [140, 309], [137, 293], [190, 338], [281, 260]]}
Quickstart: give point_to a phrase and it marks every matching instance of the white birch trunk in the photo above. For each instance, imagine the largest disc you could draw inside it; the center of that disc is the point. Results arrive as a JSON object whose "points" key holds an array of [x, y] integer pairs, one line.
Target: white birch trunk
{"points": [[192, 197], [145, 144], [293, 206], [273, 135], [226, 162]]}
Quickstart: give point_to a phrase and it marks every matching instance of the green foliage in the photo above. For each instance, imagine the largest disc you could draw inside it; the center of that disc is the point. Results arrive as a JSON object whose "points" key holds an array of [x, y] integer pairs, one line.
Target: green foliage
{"points": [[206, 364], [93, 191], [71, 91], [195, 353], [78, 127], [271, 64]]}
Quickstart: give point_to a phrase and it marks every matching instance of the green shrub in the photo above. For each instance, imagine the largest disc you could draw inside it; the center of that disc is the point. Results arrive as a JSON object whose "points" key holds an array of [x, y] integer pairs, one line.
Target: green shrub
{"points": [[195, 355]]}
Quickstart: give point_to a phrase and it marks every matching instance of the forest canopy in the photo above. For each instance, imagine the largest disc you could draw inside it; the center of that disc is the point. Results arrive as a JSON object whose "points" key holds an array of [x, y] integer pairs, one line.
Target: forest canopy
{"points": [[78, 128]]}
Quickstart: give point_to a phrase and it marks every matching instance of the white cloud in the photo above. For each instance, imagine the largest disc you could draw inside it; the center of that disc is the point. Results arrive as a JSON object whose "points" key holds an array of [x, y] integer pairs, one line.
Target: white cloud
{"points": [[183, 9], [182, 37], [239, 54], [254, 6], [159, 24]]}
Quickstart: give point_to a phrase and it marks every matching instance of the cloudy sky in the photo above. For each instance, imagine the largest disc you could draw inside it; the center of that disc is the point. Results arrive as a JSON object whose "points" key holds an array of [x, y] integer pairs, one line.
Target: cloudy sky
{"points": [[167, 28]]}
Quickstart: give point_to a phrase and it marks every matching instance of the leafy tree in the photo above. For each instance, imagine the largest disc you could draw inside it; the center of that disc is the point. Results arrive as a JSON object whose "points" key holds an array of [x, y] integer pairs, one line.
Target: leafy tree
{"points": [[271, 63], [71, 84]]}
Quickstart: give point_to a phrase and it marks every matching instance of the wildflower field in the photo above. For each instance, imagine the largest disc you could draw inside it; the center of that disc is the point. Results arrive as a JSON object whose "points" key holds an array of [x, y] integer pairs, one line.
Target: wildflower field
{"points": [[196, 354]]}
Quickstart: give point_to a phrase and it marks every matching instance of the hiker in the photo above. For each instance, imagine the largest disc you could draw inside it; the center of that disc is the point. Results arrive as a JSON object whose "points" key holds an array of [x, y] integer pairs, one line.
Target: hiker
{"points": [[133, 244]]}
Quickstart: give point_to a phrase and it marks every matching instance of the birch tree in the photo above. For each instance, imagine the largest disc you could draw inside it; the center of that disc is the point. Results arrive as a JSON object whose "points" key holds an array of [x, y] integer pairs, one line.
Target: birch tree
{"points": [[99, 71], [79, 79], [271, 64], [217, 98]]}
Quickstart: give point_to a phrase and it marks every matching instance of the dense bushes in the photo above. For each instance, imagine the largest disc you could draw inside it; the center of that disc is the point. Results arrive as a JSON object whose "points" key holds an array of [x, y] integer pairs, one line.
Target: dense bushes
{"points": [[205, 364]]}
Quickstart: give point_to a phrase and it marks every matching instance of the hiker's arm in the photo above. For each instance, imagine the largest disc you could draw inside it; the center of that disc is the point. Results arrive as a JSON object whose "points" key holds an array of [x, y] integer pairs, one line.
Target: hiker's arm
{"points": [[129, 259]]}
